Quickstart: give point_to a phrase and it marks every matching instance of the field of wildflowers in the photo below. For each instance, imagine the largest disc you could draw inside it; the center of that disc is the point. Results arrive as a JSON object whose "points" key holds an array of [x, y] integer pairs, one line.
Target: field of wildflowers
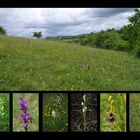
{"points": [[55, 112], [83, 112], [4, 112], [113, 112], [25, 112], [71, 67]]}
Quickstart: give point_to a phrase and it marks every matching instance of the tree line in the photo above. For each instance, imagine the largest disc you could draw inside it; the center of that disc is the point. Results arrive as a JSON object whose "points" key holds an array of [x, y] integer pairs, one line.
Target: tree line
{"points": [[125, 39]]}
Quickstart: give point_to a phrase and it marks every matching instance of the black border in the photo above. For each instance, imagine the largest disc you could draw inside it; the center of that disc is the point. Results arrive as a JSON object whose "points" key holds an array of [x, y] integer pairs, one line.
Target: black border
{"points": [[69, 134], [127, 112], [69, 3], [98, 134]]}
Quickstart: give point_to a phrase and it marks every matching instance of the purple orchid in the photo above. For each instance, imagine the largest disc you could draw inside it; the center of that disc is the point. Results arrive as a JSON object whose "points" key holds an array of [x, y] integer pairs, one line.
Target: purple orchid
{"points": [[26, 117]]}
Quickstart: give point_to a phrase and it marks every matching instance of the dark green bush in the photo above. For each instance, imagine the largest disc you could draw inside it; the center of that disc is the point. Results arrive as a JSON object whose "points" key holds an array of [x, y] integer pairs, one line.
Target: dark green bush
{"points": [[2, 31], [137, 47]]}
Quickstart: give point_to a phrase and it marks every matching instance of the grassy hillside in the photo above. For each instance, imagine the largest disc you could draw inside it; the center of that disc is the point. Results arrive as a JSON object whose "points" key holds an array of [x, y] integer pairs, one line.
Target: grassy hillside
{"points": [[27, 64]]}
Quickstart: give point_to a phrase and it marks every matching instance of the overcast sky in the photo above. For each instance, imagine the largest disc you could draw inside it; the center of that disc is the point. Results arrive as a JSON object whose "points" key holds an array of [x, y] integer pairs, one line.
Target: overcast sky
{"points": [[61, 21]]}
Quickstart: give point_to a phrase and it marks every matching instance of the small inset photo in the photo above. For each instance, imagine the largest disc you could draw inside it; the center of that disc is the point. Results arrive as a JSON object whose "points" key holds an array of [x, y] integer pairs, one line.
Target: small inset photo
{"points": [[83, 112], [113, 112], [4, 112], [55, 112], [25, 112], [134, 112]]}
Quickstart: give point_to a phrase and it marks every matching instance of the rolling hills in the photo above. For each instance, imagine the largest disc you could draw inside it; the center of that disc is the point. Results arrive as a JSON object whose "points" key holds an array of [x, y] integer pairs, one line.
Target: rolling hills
{"points": [[29, 64]]}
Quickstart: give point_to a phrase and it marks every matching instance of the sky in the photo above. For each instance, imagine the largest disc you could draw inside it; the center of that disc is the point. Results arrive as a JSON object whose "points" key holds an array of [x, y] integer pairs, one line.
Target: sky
{"points": [[62, 21]]}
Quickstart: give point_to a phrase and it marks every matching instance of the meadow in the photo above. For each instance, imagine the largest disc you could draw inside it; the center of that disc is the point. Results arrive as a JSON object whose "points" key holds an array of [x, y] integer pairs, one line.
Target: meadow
{"points": [[83, 112], [4, 112], [55, 112], [113, 112], [29, 64], [33, 109], [134, 112]]}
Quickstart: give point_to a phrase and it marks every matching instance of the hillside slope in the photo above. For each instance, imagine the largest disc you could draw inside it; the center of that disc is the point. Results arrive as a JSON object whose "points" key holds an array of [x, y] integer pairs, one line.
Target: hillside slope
{"points": [[27, 64]]}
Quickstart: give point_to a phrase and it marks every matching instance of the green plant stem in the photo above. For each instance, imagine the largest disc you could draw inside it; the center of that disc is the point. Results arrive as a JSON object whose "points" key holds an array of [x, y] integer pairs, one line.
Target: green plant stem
{"points": [[84, 115], [26, 129], [54, 124]]}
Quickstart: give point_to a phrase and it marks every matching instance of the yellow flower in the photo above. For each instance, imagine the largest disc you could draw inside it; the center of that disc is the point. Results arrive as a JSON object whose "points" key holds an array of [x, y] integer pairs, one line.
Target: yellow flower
{"points": [[109, 99]]}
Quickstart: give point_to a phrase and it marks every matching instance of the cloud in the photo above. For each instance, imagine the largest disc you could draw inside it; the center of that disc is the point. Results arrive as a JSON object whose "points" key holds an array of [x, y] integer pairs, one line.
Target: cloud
{"points": [[61, 21], [107, 12]]}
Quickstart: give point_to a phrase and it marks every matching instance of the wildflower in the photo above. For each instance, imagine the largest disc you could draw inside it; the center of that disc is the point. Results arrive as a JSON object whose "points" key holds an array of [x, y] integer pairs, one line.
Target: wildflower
{"points": [[53, 113], [23, 104], [25, 116], [58, 99], [111, 117], [84, 97], [82, 103], [112, 102], [109, 99], [84, 109]]}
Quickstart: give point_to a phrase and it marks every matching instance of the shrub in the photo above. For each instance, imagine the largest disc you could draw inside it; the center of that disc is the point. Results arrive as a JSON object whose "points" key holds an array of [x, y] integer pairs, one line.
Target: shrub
{"points": [[2, 31], [137, 47]]}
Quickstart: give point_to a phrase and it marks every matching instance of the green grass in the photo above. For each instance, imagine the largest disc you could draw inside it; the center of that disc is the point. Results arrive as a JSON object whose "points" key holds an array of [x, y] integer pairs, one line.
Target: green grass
{"points": [[119, 111], [27, 64], [134, 112], [4, 112], [32, 109], [59, 123]]}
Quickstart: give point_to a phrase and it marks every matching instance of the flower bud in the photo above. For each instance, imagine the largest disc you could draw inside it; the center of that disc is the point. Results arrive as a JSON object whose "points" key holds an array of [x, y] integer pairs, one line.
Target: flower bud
{"points": [[53, 113], [84, 109], [82, 103], [109, 99]]}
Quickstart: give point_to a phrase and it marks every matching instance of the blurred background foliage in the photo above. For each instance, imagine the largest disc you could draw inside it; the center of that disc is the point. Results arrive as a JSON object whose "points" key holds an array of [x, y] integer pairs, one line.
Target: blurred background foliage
{"points": [[4, 112], [134, 111]]}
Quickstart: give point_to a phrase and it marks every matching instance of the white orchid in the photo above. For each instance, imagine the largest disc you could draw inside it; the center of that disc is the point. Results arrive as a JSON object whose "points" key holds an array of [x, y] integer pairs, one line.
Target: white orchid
{"points": [[53, 113], [84, 97], [84, 109]]}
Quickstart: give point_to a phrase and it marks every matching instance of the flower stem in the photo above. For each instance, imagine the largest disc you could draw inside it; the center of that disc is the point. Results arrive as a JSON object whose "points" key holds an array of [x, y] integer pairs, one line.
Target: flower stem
{"points": [[26, 129], [84, 115]]}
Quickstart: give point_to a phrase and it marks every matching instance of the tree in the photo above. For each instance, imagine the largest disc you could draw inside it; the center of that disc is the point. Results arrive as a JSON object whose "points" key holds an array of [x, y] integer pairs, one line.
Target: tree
{"points": [[37, 34], [110, 39], [2, 31], [131, 31]]}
